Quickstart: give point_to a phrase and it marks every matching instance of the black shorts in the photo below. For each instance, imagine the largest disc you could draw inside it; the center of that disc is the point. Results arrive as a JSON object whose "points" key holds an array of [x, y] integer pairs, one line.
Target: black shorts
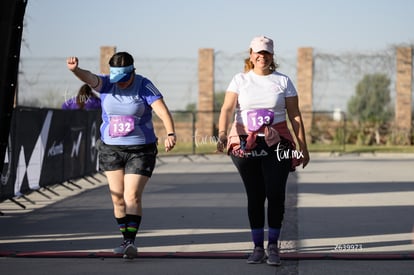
{"points": [[133, 159]]}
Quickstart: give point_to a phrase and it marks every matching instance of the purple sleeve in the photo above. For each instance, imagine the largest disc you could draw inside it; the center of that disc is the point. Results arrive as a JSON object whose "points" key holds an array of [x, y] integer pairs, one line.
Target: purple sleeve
{"points": [[149, 92]]}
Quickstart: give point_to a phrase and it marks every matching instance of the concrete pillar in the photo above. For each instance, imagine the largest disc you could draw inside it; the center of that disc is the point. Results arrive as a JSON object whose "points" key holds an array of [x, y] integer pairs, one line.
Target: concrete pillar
{"points": [[403, 117], [205, 115], [106, 53], [304, 86]]}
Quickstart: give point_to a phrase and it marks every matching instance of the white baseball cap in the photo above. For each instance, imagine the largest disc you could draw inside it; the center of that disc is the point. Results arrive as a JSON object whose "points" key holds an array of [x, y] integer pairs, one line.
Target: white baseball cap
{"points": [[262, 43]]}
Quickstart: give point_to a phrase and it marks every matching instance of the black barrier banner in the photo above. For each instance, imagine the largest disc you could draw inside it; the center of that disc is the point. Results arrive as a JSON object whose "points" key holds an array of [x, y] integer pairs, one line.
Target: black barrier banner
{"points": [[53, 164], [75, 144], [48, 147], [93, 134], [8, 174], [32, 131]]}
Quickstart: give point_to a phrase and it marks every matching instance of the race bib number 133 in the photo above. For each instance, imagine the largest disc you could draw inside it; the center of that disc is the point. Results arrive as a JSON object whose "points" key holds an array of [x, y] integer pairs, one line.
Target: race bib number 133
{"points": [[258, 118]]}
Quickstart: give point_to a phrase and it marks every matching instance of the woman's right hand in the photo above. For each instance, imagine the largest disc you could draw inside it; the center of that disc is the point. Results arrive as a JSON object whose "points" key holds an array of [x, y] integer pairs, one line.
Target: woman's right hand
{"points": [[72, 63], [221, 143]]}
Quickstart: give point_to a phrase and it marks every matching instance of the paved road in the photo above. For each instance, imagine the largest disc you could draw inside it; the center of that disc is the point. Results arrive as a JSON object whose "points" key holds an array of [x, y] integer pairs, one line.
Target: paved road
{"points": [[346, 215]]}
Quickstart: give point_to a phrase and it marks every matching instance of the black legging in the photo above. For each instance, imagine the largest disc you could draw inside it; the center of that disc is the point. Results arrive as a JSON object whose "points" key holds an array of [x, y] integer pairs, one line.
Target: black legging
{"points": [[264, 178]]}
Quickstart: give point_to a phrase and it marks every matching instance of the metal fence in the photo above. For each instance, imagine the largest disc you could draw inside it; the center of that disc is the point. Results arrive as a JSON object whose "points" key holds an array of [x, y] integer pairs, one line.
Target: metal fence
{"points": [[329, 128]]}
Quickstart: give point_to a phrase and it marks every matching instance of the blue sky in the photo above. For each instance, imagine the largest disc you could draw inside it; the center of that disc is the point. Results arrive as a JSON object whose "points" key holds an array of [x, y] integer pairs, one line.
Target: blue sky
{"points": [[164, 37], [178, 28]]}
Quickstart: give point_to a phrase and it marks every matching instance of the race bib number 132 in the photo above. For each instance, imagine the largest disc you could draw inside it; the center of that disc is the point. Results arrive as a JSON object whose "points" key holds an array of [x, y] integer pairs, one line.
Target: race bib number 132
{"points": [[121, 125]]}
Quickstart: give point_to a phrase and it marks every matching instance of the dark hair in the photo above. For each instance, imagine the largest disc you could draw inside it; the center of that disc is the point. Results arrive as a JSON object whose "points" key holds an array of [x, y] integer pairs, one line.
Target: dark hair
{"points": [[121, 59], [84, 93]]}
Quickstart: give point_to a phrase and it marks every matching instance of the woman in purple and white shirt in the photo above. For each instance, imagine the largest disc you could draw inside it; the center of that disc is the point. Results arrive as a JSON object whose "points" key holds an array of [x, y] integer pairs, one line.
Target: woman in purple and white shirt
{"points": [[128, 145]]}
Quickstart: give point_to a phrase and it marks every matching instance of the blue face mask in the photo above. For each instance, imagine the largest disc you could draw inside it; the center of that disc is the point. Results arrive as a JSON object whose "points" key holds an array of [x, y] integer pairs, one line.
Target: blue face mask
{"points": [[120, 74]]}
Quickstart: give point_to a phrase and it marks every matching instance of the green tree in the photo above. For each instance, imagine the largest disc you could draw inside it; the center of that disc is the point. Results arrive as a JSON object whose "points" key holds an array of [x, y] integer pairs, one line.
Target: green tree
{"points": [[371, 104], [191, 107]]}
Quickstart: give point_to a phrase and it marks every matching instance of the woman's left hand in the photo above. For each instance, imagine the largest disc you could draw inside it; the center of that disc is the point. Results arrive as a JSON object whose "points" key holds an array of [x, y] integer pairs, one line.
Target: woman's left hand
{"points": [[306, 158], [170, 143]]}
